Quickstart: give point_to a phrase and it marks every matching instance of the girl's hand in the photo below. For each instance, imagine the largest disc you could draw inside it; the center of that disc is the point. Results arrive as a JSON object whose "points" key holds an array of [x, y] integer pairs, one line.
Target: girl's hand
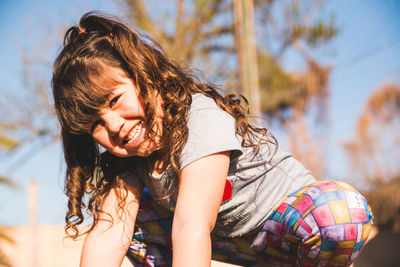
{"points": [[202, 183], [107, 243]]}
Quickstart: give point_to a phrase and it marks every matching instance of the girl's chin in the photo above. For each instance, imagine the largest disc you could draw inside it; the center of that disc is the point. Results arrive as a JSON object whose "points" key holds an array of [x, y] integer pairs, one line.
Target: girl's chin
{"points": [[145, 149]]}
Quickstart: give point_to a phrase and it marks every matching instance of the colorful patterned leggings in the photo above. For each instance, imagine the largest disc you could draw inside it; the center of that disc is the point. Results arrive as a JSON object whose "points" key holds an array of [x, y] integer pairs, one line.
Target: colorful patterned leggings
{"points": [[322, 224]]}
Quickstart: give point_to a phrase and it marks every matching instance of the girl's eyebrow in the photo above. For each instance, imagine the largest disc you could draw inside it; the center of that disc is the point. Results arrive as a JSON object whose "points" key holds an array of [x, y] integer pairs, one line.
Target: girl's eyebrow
{"points": [[108, 92], [115, 90], [112, 94]]}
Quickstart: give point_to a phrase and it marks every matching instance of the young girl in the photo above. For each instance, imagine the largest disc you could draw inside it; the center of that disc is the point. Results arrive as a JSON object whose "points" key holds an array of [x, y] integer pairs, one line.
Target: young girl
{"points": [[185, 176]]}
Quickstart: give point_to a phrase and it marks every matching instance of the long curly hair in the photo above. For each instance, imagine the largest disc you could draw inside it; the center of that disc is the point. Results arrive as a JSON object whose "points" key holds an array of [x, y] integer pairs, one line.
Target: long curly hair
{"points": [[81, 85]]}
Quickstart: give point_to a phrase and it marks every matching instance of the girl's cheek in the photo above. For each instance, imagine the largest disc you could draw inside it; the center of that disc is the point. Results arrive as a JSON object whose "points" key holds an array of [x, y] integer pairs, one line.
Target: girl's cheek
{"points": [[100, 137]]}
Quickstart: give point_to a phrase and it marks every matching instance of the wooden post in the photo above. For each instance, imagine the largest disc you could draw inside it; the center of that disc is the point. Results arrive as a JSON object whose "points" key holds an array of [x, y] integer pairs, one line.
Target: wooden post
{"points": [[247, 53]]}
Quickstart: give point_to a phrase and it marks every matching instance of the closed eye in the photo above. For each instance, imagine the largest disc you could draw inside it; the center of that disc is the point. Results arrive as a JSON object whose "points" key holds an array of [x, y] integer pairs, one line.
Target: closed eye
{"points": [[114, 101]]}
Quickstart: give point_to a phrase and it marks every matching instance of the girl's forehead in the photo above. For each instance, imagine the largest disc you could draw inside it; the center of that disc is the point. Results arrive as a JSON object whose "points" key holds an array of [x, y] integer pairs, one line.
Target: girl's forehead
{"points": [[107, 80], [117, 73]]}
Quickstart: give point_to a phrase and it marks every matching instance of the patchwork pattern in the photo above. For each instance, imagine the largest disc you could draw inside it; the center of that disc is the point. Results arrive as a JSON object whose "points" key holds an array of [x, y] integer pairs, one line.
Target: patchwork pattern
{"points": [[327, 225], [322, 224]]}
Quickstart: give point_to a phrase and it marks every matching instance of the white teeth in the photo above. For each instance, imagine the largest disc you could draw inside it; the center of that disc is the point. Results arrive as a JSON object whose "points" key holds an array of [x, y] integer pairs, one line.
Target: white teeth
{"points": [[134, 133]]}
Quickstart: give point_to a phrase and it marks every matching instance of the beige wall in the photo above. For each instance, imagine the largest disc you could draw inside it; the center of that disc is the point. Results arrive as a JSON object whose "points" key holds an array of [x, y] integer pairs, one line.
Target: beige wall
{"points": [[49, 249]]}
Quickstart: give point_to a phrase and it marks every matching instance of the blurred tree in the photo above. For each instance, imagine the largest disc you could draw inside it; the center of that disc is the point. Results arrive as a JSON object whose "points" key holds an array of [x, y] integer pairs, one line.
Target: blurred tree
{"points": [[26, 114], [371, 150], [6, 144], [374, 154], [284, 26], [193, 31], [186, 30]]}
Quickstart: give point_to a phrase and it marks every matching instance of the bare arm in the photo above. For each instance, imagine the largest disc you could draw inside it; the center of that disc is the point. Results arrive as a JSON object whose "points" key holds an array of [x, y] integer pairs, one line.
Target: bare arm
{"points": [[199, 198], [107, 244]]}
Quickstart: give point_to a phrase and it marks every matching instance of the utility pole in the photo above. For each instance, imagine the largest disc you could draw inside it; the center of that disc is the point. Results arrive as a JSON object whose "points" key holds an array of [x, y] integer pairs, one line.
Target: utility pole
{"points": [[247, 53]]}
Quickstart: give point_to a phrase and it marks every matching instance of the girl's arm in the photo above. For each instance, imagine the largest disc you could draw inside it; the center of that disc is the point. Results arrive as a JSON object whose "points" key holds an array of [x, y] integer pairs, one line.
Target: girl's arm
{"points": [[201, 188], [107, 244]]}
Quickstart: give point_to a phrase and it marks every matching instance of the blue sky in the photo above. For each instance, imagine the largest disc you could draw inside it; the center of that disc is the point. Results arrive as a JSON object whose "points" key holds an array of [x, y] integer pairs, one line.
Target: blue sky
{"points": [[364, 55]]}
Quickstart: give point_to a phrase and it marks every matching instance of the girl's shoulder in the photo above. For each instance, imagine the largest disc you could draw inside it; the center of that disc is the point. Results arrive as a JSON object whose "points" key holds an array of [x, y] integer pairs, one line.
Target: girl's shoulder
{"points": [[211, 130], [200, 101], [204, 109]]}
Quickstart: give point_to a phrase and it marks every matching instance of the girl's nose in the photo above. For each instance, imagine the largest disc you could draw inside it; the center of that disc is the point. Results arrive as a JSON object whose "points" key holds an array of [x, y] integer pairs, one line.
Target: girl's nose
{"points": [[113, 122]]}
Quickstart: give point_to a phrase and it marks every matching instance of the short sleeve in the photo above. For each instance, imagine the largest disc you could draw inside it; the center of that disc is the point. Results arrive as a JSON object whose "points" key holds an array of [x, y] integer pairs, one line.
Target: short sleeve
{"points": [[211, 130]]}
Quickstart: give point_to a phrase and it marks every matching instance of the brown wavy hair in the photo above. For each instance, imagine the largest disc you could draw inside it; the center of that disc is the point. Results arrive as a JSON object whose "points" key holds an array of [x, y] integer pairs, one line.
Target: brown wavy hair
{"points": [[81, 85]]}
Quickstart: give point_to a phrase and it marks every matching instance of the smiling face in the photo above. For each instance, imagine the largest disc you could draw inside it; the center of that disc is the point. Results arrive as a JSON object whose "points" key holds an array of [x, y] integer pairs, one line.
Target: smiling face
{"points": [[120, 127]]}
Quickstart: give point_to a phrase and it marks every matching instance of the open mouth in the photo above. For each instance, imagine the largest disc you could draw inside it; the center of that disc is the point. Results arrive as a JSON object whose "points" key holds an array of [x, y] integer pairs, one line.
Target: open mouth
{"points": [[134, 134]]}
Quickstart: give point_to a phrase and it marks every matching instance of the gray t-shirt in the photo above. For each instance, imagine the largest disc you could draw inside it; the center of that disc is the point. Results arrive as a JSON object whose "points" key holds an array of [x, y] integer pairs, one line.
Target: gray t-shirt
{"points": [[259, 179]]}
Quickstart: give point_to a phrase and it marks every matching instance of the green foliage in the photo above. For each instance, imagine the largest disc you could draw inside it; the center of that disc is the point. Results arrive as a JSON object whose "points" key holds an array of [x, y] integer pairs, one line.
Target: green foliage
{"points": [[295, 25], [277, 94], [315, 34], [283, 92], [313, 31]]}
